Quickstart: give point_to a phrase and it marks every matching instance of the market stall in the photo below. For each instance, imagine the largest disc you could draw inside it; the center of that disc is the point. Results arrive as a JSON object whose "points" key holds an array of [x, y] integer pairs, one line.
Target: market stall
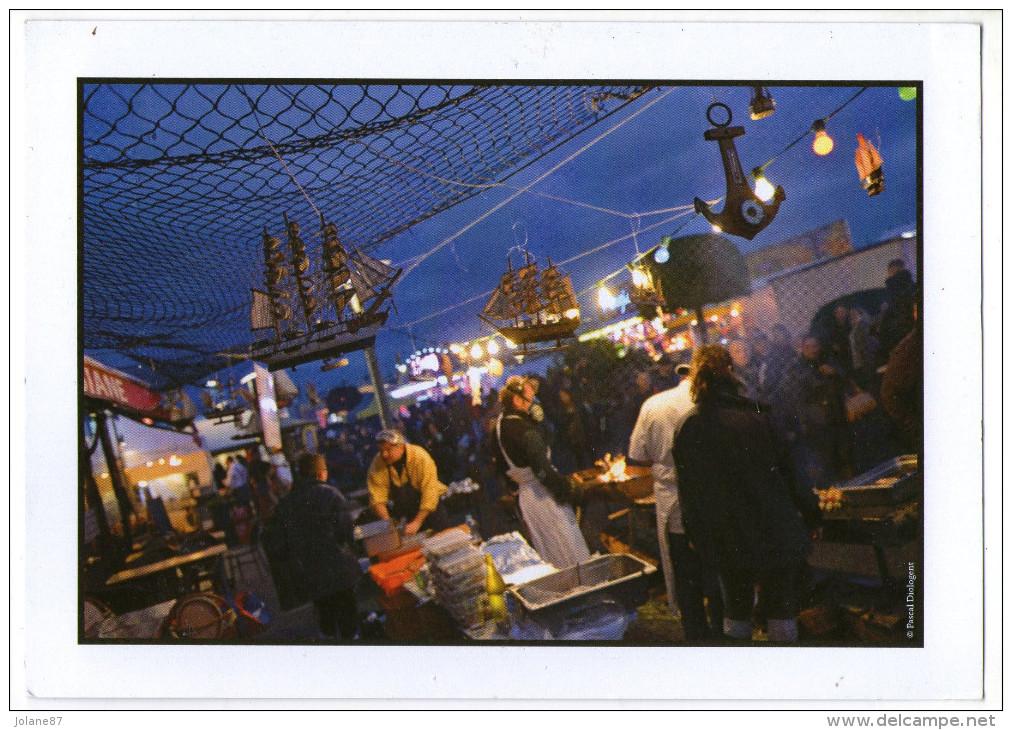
{"points": [[500, 589]]}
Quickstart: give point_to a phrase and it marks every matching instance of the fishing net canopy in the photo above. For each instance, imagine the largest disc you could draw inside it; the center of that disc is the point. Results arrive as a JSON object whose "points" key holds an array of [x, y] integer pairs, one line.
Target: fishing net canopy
{"points": [[179, 181]]}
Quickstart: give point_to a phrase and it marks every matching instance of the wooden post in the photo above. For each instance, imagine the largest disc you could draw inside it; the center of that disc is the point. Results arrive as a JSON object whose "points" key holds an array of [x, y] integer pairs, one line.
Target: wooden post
{"points": [[382, 401], [116, 474]]}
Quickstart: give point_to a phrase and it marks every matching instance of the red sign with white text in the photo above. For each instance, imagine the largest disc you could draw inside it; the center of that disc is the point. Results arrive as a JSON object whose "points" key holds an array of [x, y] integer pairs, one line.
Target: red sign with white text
{"points": [[110, 385]]}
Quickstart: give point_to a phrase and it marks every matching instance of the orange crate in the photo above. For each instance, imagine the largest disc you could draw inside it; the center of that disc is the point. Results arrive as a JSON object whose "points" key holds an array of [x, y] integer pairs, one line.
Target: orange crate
{"points": [[392, 574]]}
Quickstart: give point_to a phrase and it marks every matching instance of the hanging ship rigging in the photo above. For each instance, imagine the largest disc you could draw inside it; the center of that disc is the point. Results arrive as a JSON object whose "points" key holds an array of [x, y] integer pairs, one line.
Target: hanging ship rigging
{"points": [[531, 305], [353, 289]]}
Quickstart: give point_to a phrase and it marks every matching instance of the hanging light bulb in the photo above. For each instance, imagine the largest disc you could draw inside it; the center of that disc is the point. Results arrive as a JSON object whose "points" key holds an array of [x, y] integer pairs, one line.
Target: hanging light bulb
{"points": [[476, 351], [456, 349], [571, 313], [605, 299], [716, 228], [639, 277], [492, 347], [762, 104], [822, 145], [764, 190], [661, 255]]}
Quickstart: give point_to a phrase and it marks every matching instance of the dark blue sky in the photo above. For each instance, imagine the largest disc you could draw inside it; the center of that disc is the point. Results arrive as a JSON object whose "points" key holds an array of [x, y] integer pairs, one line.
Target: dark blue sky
{"points": [[656, 160]]}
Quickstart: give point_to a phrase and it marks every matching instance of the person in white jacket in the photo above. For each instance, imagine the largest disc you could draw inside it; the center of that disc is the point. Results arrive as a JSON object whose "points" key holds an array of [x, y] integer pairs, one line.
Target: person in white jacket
{"points": [[686, 580], [282, 472]]}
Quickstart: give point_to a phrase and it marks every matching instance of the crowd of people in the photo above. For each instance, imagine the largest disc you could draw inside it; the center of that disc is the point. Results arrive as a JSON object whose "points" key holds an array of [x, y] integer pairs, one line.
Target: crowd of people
{"points": [[738, 437]]}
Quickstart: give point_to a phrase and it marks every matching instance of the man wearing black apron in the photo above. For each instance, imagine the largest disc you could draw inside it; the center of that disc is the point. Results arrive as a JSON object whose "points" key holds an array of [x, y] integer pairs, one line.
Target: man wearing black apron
{"points": [[403, 485]]}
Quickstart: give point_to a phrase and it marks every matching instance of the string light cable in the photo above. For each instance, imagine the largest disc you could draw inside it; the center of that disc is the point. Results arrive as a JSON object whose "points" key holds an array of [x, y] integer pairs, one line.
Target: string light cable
{"points": [[685, 211], [680, 210], [762, 168], [538, 179]]}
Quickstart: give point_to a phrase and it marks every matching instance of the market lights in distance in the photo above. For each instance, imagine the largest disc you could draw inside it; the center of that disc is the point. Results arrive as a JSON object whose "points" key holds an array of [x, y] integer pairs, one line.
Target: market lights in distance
{"points": [[605, 299]]}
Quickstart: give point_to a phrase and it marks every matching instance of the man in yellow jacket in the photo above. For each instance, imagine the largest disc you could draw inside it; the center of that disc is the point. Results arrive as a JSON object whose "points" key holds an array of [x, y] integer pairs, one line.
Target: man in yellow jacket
{"points": [[403, 484]]}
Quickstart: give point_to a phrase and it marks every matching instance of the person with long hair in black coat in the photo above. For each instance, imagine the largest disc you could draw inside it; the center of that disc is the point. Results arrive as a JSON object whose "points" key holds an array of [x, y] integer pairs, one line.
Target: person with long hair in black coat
{"points": [[741, 507]]}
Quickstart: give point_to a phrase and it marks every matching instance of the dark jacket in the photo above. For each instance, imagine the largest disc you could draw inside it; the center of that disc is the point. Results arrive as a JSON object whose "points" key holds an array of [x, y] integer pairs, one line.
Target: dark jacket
{"points": [[814, 399], [524, 442], [902, 393], [740, 503], [898, 319], [308, 541]]}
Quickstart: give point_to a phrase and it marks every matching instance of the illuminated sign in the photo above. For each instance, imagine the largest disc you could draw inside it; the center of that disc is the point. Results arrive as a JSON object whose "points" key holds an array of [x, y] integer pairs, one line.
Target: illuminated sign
{"points": [[268, 407], [427, 364], [103, 383]]}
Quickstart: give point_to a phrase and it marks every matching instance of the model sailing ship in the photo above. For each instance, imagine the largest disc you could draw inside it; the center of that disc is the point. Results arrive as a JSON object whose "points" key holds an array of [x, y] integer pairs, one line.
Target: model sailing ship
{"points": [[532, 306], [353, 288]]}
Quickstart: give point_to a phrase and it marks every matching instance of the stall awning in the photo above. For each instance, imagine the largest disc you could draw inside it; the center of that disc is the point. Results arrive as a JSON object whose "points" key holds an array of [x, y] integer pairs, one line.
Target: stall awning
{"points": [[120, 391]]}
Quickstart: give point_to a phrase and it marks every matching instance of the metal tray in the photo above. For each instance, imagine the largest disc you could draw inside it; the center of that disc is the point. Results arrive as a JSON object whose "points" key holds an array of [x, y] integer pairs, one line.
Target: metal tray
{"points": [[620, 577], [378, 537], [892, 482]]}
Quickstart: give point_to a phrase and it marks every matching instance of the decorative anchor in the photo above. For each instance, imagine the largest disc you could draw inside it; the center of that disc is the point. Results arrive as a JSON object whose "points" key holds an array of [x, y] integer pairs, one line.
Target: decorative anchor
{"points": [[744, 213]]}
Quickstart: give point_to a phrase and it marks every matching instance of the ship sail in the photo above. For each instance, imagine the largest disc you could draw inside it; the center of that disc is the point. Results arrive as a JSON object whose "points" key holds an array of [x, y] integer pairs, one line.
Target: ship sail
{"points": [[560, 295], [373, 271], [527, 289], [363, 289], [557, 291], [503, 304], [335, 258], [549, 286], [498, 306], [335, 266], [260, 313]]}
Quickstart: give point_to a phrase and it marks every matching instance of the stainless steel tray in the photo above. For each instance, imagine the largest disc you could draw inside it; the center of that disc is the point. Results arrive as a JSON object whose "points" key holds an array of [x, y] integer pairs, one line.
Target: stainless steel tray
{"points": [[891, 482], [620, 577]]}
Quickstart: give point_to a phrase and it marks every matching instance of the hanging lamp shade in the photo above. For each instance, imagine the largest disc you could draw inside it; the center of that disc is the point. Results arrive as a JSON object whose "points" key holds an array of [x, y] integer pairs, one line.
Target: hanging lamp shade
{"points": [[762, 104], [869, 166]]}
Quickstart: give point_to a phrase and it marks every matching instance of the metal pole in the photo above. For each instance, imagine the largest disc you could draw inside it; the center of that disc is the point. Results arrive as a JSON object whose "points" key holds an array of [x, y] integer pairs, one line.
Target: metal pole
{"points": [[95, 501], [377, 382], [701, 320], [116, 475]]}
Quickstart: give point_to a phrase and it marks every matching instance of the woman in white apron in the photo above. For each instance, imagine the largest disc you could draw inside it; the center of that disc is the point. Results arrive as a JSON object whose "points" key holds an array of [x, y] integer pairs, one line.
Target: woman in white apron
{"points": [[555, 534]]}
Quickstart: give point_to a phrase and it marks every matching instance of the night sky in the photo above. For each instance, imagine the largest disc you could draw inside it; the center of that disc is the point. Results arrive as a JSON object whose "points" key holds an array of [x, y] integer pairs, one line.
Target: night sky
{"points": [[655, 159]]}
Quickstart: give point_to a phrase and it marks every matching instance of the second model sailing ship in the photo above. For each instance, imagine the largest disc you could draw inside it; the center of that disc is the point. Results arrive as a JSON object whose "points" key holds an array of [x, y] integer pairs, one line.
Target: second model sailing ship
{"points": [[340, 299], [531, 305]]}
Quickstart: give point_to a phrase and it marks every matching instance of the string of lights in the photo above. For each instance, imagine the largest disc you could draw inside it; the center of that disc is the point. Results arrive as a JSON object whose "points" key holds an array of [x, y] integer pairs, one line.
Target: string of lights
{"points": [[821, 147], [757, 172]]}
